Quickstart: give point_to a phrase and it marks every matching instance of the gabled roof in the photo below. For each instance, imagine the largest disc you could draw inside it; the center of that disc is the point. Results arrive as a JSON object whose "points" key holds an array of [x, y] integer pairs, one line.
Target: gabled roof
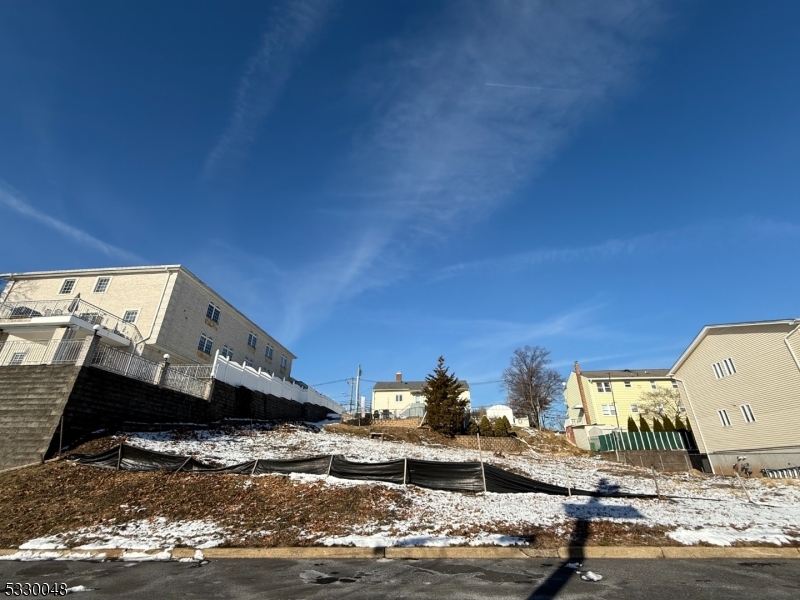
{"points": [[413, 386], [708, 328], [627, 374]]}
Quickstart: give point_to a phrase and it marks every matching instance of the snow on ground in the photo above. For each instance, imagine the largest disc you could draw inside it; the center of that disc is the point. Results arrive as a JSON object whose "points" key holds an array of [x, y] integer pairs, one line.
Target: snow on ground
{"points": [[708, 509], [142, 534]]}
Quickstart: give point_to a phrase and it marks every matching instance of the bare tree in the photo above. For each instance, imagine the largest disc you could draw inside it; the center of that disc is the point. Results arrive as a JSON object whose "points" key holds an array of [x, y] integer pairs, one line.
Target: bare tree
{"points": [[661, 402], [532, 386]]}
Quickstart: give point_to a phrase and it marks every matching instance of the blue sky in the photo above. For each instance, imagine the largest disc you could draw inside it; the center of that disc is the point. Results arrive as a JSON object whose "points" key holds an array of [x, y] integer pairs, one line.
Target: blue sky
{"points": [[384, 182]]}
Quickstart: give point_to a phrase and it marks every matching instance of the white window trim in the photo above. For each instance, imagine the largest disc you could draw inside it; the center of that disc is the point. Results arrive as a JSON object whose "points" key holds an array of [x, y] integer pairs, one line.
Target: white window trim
{"points": [[724, 418], [653, 385], [218, 311], [398, 397], [135, 318], [627, 384], [64, 282], [605, 385], [635, 409], [729, 366], [284, 361], [609, 410], [97, 282], [268, 351], [207, 342], [254, 337]]}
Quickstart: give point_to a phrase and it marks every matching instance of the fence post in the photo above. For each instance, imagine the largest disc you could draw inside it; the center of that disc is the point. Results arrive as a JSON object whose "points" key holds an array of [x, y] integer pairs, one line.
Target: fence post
{"points": [[162, 376], [89, 349], [655, 480]]}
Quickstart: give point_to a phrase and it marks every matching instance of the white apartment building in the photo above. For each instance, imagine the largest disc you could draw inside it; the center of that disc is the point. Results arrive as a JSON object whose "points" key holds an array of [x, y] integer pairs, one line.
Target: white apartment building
{"points": [[391, 399], [151, 311]]}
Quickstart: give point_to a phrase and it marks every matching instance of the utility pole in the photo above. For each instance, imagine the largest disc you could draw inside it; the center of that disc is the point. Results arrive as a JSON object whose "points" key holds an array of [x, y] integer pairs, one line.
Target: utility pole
{"points": [[358, 391], [351, 382]]}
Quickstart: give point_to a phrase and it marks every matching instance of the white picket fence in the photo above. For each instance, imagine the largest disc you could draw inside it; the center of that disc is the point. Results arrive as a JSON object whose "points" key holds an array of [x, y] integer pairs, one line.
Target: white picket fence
{"points": [[260, 381]]}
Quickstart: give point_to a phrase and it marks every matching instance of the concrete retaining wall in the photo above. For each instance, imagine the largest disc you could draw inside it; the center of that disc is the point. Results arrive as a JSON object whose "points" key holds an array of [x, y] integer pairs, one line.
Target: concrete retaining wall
{"points": [[674, 460]]}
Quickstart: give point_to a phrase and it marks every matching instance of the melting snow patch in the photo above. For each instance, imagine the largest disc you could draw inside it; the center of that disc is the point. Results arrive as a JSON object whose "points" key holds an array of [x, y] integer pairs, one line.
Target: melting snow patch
{"points": [[438, 541], [78, 588], [29, 555], [591, 576], [726, 536]]}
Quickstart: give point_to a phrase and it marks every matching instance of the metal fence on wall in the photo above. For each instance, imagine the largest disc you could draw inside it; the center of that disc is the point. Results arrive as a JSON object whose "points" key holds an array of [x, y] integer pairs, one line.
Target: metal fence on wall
{"points": [[177, 377], [623, 440], [52, 352]]}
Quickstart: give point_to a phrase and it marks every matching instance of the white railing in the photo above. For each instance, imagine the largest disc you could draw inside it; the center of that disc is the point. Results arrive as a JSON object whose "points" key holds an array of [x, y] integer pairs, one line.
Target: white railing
{"points": [[126, 363], [181, 382], [27, 310], [52, 352], [177, 377], [260, 381]]}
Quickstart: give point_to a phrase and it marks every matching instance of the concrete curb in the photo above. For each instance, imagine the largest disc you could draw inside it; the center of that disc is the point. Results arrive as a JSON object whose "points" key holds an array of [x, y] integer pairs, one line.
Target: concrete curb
{"points": [[416, 553]]}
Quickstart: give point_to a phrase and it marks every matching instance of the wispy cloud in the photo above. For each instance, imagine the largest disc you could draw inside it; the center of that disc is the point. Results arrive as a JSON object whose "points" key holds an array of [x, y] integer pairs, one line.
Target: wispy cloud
{"points": [[14, 200], [292, 25], [700, 234], [443, 149]]}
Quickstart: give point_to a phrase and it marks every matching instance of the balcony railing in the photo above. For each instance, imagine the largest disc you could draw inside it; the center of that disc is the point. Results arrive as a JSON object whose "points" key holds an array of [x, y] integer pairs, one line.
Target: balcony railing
{"points": [[26, 310], [53, 352]]}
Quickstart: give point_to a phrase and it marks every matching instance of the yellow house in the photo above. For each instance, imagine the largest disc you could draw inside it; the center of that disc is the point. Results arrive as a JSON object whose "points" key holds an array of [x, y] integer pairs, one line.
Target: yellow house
{"points": [[599, 402], [400, 399]]}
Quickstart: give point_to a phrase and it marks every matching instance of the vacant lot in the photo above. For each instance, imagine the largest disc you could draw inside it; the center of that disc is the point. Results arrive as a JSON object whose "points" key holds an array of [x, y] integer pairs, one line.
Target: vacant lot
{"points": [[63, 504]]}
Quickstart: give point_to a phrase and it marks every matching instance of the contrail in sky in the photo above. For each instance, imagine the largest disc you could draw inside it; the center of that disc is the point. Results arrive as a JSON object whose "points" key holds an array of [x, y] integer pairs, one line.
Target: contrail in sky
{"points": [[531, 87]]}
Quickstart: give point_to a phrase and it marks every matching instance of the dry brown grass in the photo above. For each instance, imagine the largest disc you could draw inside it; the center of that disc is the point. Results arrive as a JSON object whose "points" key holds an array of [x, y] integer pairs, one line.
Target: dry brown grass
{"points": [[61, 497]]}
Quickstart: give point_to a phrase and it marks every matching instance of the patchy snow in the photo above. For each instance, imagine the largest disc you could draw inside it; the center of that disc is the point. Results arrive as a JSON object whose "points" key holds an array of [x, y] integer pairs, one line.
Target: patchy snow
{"points": [[591, 576], [710, 509], [28, 555], [144, 534], [720, 536]]}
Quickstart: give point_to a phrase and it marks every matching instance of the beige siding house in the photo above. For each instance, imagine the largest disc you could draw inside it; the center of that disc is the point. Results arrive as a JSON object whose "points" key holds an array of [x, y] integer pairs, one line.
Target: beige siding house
{"points": [[398, 398], [598, 402], [741, 383], [150, 311]]}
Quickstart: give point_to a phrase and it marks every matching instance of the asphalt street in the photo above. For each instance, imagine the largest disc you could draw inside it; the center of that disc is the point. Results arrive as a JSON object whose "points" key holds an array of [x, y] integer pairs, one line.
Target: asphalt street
{"points": [[726, 579]]}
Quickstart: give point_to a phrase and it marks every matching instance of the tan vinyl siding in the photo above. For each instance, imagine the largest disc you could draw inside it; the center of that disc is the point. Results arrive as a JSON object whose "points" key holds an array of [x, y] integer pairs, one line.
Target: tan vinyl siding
{"points": [[185, 321], [766, 378]]}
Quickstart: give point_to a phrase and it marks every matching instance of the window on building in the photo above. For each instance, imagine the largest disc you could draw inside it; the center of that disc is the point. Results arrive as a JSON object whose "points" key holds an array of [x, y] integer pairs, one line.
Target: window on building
{"points": [[67, 286], [130, 316], [252, 339], [212, 312], [674, 385], [724, 368], [226, 352], [284, 362], [634, 408], [205, 343], [723, 418], [653, 385], [729, 366], [609, 410], [627, 383], [398, 397], [248, 362], [17, 358], [603, 386], [268, 351], [747, 413], [101, 285]]}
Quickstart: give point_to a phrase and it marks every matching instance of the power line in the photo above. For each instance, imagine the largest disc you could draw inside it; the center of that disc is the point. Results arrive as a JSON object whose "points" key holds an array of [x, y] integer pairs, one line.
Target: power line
{"points": [[329, 382], [486, 382]]}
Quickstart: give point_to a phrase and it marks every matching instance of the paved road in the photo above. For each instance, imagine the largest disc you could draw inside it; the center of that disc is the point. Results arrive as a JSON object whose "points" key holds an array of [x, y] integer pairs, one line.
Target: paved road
{"points": [[461, 579]]}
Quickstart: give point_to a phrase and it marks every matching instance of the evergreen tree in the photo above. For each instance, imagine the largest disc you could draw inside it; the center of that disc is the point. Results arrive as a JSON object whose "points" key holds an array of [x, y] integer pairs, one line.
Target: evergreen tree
{"points": [[658, 426], [632, 428], [668, 425], [485, 427], [502, 427], [472, 428], [679, 424], [445, 409], [643, 426]]}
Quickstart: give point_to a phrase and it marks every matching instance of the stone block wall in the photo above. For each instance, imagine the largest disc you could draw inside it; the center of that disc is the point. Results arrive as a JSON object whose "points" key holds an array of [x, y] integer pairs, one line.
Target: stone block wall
{"points": [[508, 444], [673, 460], [32, 399]]}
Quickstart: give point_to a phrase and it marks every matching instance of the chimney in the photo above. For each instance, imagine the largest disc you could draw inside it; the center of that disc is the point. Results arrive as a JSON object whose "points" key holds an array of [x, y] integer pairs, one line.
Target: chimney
{"points": [[583, 394], [398, 376]]}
